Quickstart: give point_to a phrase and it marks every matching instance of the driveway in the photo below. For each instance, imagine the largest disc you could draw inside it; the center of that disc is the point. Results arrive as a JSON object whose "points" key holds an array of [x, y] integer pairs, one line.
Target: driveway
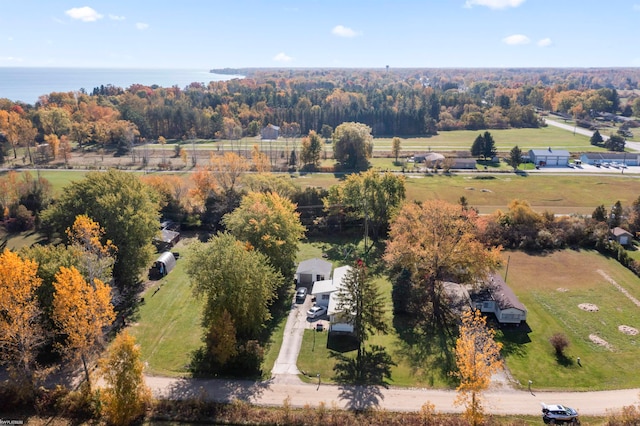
{"points": [[285, 368]]}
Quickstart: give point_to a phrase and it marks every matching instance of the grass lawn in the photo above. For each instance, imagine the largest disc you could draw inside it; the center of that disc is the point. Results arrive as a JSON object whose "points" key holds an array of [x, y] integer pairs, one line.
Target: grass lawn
{"points": [[552, 287], [168, 325]]}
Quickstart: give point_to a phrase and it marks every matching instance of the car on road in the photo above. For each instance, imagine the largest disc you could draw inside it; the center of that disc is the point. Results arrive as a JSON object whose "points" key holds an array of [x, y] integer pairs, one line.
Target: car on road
{"points": [[559, 414], [301, 294], [316, 312]]}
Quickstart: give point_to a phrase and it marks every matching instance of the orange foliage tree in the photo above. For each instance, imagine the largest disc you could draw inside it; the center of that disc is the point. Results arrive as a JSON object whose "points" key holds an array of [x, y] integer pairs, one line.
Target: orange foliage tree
{"points": [[21, 332], [477, 359], [81, 311], [97, 258]]}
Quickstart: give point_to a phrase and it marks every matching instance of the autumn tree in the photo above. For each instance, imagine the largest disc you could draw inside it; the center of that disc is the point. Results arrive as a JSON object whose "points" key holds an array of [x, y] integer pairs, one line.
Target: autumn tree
{"points": [[21, 333], [395, 147], [65, 148], [125, 397], [232, 277], [368, 196], [81, 311], [271, 224], [282, 185], [360, 303], [162, 141], [436, 241], [260, 160], [54, 145], [477, 359], [515, 157], [226, 169], [311, 149], [125, 208], [352, 144], [96, 253]]}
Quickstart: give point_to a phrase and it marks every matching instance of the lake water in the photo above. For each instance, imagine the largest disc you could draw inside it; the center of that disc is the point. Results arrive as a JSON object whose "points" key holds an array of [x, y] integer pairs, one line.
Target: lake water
{"points": [[27, 84]]}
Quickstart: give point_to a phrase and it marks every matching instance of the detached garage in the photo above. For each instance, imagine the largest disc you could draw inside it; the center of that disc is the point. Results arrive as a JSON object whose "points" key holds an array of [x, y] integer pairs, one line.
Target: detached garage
{"points": [[549, 157]]}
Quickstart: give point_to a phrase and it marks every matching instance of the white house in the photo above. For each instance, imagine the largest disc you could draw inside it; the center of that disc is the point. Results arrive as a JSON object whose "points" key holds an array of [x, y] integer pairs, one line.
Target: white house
{"points": [[502, 301], [312, 270], [326, 292], [549, 157]]}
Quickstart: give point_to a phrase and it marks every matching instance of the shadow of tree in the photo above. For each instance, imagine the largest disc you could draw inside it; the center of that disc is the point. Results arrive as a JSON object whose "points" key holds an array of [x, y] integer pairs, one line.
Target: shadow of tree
{"points": [[514, 340], [341, 343], [423, 345], [217, 390], [563, 360], [361, 379]]}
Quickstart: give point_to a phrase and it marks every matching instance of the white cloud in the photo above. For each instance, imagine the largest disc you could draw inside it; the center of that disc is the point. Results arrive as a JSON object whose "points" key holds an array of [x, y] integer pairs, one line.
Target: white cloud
{"points": [[116, 17], [545, 42], [342, 31], [142, 26], [494, 4], [282, 57], [516, 39], [84, 14]]}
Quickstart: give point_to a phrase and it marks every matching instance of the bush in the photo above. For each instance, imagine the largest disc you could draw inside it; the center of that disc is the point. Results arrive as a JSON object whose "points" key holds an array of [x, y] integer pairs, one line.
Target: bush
{"points": [[560, 342]]}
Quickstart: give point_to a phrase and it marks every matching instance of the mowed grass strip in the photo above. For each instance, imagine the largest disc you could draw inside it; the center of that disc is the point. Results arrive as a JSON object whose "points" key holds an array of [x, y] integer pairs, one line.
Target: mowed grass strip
{"points": [[552, 287], [168, 328]]}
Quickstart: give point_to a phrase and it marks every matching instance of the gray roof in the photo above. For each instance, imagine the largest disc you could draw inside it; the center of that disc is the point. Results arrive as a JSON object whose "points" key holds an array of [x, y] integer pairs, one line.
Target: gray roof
{"points": [[609, 155], [549, 151], [617, 231], [315, 265], [503, 295]]}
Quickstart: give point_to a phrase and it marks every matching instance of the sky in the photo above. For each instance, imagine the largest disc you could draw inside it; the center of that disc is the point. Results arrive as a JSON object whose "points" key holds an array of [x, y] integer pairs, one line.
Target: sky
{"points": [[206, 34]]}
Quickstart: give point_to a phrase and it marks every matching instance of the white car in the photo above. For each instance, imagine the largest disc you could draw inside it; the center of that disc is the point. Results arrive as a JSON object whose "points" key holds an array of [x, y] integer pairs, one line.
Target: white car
{"points": [[316, 312], [557, 414]]}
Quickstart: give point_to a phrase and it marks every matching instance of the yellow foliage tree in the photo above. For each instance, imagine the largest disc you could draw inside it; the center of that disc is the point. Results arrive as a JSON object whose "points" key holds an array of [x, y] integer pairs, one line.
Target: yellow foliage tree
{"points": [[477, 359], [54, 144], [126, 396], [81, 312], [97, 258], [260, 160], [20, 328], [227, 169]]}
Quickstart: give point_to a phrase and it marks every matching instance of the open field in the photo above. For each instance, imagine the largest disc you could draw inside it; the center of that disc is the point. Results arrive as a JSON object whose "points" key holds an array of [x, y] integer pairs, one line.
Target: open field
{"points": [[552, 287]]}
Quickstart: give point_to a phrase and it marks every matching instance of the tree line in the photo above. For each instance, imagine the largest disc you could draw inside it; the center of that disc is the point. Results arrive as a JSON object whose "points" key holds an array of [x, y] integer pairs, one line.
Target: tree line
{"points": [[402, 102]]}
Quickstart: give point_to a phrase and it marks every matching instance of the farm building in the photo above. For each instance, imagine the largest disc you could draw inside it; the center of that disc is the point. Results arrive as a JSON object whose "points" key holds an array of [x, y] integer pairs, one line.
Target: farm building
{"points": [[312, 270], [500, 300], [610, 157], [549, 157], [162, 266], [270, 132]]}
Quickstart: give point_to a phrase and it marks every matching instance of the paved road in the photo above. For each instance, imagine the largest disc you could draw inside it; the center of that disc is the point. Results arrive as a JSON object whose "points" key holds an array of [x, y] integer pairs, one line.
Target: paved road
{"points": [[635, 146]]}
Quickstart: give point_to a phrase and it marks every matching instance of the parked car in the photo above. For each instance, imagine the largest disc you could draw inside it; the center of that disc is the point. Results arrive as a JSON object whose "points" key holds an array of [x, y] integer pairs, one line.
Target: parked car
{"points": [[559, 414], [301, 294], [316, 312]]}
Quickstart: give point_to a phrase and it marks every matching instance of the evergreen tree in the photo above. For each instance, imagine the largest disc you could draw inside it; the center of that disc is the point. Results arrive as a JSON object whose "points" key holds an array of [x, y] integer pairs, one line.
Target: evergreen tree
{"points": [[489, 148], [599, 214], [615, 216], [596, 138], [478, 146], [515, 157]]}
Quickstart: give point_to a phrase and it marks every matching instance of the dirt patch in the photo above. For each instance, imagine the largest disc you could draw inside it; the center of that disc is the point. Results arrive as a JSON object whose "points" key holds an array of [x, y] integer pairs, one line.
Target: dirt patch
{"points": [[630, 331], [600, 341], [589, 307], [562, 289]]}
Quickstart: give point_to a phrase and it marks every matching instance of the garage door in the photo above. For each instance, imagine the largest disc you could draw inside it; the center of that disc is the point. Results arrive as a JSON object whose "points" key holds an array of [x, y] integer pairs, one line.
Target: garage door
{"points": [[306, 279]]}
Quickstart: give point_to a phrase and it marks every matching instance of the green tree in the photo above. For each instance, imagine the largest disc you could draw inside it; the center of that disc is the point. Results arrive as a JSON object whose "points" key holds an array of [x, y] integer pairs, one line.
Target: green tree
{"points": [[127, 210], [489, 148], [615, 215], [515, 157], [311, 149], [599, 213], [477, 359], [395, 148], [327, 131], [369, 196], [360, 303], [125, 397], [596, 139], [271, 225], [234, 278], [477, 148], [352, 145], [615, 143]]}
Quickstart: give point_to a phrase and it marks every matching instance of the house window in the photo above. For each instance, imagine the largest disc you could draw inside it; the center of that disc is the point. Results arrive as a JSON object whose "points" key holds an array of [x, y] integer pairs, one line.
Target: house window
{"points": [[325, 297], [486, 305], [319, 277]]}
